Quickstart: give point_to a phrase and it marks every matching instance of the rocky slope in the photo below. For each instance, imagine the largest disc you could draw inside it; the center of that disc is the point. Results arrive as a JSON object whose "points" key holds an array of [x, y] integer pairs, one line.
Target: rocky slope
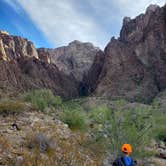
{"points": [[74, 59], [33, 138], [135, 63]]}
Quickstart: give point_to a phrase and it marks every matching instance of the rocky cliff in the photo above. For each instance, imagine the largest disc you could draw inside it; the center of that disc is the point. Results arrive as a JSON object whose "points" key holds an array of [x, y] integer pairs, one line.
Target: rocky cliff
{"points": [[13, 47], [63, 70], [74, 59], [135, 63], [22, 69]]}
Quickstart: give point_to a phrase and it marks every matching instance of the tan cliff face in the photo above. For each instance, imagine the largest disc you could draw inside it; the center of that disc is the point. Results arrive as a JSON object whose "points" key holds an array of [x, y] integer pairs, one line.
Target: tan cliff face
{"points": [[135, 64], [4, 32], [3, 55], [15, 47]]}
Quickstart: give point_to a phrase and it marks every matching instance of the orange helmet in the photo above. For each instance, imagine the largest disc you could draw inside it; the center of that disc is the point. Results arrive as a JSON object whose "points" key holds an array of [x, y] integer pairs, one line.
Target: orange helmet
{"points": [[126, 148]]}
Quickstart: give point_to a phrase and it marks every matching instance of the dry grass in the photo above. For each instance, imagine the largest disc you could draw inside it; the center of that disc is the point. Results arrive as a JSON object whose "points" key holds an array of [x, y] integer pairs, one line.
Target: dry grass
{"points": [[10, 107], [62, 150]]}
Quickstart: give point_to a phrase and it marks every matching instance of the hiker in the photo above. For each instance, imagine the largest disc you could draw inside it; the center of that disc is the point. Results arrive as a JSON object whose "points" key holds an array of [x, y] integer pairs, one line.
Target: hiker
{"points": [[125, 159]]}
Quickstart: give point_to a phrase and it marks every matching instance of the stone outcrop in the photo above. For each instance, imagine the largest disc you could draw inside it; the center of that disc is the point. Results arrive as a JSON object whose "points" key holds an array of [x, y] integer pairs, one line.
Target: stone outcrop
{"points": [[74, 59], [15, 47], [135, 63], [30, 73], [21, 69]]}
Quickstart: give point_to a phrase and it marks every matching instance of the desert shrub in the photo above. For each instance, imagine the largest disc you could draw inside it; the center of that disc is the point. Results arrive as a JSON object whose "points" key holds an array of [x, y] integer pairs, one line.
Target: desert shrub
{"points": [[40, 141], [10, 107], [136, 129], [41, 99], [72, 105], [109, 128], [75, 118], [51, 148], [161, 135], [117, 126], [159, 130], [120, 103], [99, 115]]}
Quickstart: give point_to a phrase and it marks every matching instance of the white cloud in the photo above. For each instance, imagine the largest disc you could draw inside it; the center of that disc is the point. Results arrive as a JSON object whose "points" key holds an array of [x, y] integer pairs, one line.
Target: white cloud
{"points": [[61, 20], [62, 23], [124, 7], [133, 8]]}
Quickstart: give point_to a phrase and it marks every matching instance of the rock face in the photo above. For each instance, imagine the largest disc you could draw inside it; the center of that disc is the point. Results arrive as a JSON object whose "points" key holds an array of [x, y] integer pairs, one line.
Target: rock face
{"points": [[90, 80], [62, 69], [12, 47], [25, 74], [22, 69], [135, 63], [74, 59]]}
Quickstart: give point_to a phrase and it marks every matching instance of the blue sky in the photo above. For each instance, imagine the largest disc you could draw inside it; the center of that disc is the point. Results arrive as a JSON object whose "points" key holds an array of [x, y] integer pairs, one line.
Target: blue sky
{"points": [[16, 21], [54, 23]]}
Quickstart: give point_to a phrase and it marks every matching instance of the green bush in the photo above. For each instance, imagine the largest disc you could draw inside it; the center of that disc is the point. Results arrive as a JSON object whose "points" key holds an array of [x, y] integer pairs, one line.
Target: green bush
{"points": [[99, 115], [41, 99], [75, 118], [109, 128], [118, 126], [136, 129], [159, 130]]}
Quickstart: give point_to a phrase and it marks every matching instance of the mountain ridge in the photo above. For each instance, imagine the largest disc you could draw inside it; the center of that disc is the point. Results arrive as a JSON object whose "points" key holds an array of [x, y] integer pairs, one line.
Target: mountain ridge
{"points": [[134, 66], [131, 67]]}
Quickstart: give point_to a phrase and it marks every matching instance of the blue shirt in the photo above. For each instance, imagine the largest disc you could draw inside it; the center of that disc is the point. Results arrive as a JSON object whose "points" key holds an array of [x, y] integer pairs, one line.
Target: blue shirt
{"points": [[127, 160]]}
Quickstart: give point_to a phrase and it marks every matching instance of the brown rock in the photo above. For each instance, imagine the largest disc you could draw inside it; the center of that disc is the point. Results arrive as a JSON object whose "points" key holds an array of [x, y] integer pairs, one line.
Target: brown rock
{"points": [[90, 80], [135, 64], [74, 59], [16, 47], [22, 70]]}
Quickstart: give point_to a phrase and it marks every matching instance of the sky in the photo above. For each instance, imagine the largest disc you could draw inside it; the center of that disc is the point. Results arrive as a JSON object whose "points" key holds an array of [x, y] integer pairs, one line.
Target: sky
{"points": [[55, 23]]}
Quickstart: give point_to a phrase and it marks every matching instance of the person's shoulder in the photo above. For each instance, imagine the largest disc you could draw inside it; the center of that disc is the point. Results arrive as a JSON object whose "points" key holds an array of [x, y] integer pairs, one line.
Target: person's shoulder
{"points": [[134, 162], [118, 162]]}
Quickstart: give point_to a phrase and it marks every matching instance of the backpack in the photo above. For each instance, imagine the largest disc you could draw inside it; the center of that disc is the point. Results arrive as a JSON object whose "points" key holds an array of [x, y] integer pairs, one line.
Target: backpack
{"points": [[120, 162]]}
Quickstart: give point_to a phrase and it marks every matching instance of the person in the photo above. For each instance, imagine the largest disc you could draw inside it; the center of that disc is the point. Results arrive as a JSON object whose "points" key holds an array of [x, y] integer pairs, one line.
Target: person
{"points": [[125, 159]]}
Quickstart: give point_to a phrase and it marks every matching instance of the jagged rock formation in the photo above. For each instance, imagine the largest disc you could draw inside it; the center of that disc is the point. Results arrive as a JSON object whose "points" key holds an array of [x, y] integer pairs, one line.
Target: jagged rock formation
{"points": [[135, 63], [25, 74], [22, 69], [74, 59], [13, 47]]}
